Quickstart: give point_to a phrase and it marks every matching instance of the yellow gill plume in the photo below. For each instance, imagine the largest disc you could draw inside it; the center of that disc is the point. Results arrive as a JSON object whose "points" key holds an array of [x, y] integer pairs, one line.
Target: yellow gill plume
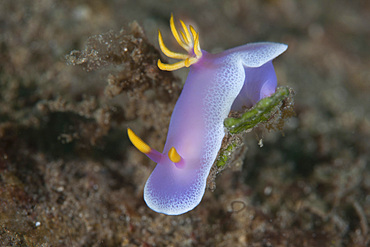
{"points": [[189, 40]]}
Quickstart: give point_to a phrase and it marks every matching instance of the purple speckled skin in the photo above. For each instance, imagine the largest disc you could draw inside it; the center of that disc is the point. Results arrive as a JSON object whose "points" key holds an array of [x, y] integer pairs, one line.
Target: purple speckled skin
{"points": [[216, 84]]}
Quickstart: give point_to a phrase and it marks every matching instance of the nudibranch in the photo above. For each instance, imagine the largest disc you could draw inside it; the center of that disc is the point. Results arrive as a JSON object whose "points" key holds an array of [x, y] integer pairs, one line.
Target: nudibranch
{"points": [[216, 84]]}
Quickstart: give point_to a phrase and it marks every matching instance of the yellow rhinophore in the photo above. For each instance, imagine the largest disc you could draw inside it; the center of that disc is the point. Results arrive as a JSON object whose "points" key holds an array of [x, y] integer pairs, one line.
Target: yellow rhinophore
{"points": [[174, 155], [189, 40], [137, 142]]}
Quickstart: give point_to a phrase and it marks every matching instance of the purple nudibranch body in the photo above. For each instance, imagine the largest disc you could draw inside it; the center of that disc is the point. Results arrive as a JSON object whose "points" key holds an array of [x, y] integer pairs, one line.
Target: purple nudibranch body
{"points": [[216, 83]]}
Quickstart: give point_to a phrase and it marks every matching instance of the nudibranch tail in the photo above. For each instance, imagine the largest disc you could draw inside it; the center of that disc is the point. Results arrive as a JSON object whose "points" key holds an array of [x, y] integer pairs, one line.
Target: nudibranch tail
{"points": [[143, 147], [189, 40]]}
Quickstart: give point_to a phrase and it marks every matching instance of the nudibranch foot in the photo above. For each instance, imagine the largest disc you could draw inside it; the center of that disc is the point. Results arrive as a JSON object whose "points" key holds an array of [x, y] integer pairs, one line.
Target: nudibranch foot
{"points": [[261, 83]]}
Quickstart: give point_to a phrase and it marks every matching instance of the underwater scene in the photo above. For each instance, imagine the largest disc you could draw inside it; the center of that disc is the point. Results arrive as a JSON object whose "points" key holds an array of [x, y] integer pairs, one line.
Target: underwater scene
{"points": [[185, 123]]}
